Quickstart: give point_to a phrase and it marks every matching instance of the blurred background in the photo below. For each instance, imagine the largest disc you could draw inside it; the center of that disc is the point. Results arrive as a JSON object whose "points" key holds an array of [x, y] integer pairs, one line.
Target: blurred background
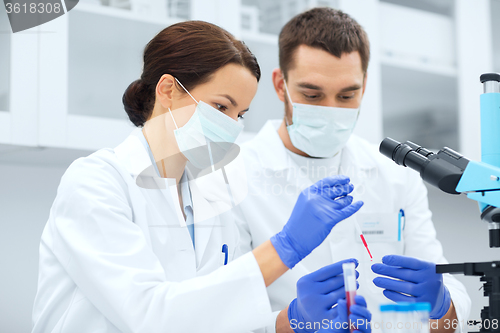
{"points": [[61, 86]]}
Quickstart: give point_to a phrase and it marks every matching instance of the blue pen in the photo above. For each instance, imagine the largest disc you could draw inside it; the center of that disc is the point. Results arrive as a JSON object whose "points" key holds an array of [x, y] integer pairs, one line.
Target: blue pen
{"points": [[226, 253], [400, 215]]}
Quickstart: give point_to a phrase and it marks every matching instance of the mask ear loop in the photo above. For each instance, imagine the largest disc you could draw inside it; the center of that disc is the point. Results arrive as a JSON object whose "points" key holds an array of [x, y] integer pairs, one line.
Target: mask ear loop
{"points": [[170, 111], [287, 92], [185, 90], [289, 98]]}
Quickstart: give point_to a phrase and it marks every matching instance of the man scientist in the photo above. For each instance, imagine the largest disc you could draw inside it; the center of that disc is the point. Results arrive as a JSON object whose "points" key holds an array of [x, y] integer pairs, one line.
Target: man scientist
{"points": [[323, 58]]}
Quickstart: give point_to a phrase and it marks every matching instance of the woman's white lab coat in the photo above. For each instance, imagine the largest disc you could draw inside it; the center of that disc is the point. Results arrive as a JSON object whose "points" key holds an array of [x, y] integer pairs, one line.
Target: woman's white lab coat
{"points": [[116, 257]]}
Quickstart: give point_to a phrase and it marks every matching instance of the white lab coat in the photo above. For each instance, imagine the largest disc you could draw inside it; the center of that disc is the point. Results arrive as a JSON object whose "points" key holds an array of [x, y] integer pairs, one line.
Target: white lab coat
{"points": [[274, 183], [114, 257]]}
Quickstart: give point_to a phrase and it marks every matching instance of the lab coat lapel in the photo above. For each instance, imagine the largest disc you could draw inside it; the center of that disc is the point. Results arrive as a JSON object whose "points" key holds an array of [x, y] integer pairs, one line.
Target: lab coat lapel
{"points": [[205, 219]]}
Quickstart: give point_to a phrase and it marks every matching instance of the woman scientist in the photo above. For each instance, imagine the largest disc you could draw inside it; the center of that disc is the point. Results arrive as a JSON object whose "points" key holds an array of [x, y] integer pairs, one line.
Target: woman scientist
{"points": [[131, 244]]}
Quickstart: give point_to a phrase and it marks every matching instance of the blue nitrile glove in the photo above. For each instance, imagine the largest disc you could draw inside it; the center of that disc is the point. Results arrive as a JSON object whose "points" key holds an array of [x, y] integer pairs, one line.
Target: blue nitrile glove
{"points": [[317, 210], [317, 292], [419, 280], [359, 319]]}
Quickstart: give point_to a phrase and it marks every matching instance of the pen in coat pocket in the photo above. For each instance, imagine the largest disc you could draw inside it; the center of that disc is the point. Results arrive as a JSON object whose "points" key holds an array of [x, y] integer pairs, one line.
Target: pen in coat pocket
{"points": [[225, 254], [401, 215]]}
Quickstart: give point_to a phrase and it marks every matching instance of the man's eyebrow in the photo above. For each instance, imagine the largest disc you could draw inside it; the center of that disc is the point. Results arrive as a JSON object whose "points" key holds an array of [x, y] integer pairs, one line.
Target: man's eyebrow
{"points": [[351, 88], [309, 86], [315, 87], [230, 99]]}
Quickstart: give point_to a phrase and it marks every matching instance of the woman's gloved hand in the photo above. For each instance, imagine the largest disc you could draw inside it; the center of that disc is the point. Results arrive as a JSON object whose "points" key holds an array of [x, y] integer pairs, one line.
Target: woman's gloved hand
{"points": [[317, 292], [317, 210], [359, 319], [419, 280]]}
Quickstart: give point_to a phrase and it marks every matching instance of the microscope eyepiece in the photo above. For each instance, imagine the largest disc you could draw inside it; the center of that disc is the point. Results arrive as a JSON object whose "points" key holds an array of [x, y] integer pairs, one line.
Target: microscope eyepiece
{"points": [[491, 82], [489, 77], [407, 154], [442, 170], [388, 147]]}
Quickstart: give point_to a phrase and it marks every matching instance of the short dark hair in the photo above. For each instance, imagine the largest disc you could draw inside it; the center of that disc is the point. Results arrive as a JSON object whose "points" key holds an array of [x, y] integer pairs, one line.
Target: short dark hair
{"points": [[190, 51], [325, 28]]}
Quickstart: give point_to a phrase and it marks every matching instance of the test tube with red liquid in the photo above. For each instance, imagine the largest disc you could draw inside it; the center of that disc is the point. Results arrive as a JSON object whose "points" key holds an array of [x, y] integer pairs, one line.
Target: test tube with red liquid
{"points": [[349, 270]]}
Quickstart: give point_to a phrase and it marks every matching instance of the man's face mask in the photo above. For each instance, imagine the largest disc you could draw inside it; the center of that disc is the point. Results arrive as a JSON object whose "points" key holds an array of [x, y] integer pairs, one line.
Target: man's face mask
{"points": [[320, 131]]}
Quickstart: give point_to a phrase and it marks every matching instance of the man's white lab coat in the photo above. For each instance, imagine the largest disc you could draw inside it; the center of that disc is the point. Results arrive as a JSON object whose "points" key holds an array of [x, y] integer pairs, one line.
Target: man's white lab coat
{"points": [[274, 182]]}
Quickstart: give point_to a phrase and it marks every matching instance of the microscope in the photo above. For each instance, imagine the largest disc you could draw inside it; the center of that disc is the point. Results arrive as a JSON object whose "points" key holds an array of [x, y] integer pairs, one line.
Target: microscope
{"points": [[480, 181]]}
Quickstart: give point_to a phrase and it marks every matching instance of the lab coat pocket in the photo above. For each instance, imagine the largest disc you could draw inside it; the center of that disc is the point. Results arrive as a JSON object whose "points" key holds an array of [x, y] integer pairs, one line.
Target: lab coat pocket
{"points": [[380, 227]]}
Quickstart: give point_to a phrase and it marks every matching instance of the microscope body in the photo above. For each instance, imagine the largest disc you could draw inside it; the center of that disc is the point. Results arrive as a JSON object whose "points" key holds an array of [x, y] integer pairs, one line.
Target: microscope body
{"points": [[480, 181]]}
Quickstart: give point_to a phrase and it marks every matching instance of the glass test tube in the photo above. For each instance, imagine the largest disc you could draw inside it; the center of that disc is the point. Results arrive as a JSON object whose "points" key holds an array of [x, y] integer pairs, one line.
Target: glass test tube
{"points": [[349, 270]]}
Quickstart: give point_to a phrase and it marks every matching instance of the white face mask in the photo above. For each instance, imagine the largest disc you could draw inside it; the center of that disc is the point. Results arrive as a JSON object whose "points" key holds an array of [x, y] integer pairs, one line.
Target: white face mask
{"points": [[320, 131], [207, 136]]}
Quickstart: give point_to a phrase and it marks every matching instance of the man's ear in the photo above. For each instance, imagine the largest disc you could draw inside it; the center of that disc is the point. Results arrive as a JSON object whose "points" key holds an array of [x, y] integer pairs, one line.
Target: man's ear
{"points": [[165, 90], [278, 82]]}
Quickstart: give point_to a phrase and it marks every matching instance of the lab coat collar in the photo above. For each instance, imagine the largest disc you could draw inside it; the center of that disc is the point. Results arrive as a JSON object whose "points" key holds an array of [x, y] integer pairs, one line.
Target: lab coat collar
{"points": [[136, 160], [272, 152]]}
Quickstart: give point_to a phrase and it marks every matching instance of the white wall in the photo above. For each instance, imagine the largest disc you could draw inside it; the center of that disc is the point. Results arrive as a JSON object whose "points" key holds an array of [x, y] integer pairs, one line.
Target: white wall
{"points": [[26, 194]]}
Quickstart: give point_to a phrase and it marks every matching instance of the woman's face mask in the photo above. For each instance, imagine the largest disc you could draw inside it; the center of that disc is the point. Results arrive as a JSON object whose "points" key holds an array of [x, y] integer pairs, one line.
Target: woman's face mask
{"points": [[320, 131], [207, 136]]}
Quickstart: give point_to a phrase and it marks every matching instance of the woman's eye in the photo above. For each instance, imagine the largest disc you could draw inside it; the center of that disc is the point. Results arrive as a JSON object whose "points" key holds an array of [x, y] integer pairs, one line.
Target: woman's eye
{"points": [[240, 116], [220, 107]]}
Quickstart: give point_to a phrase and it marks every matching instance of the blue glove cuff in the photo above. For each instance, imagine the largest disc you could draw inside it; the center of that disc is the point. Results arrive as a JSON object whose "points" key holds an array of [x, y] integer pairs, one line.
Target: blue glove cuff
{"points": [[298, 321], [438, 313], [285, 250]]}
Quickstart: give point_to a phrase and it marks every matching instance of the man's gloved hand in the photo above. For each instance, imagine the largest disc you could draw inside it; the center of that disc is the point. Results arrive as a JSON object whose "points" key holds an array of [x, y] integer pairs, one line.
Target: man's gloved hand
{"points": [[317, 210], [419, 280], [359, 319], [317, 292]]}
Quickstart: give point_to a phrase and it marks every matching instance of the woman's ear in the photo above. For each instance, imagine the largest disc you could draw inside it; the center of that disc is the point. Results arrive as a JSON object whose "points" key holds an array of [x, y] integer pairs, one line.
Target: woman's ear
{"points": [[278, 83], [165, 91]]}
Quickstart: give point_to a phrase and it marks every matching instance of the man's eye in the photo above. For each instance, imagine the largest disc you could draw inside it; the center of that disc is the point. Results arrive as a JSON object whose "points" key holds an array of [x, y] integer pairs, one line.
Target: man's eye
{"points": [[346, 97], [220, 107], [311, 96]]}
